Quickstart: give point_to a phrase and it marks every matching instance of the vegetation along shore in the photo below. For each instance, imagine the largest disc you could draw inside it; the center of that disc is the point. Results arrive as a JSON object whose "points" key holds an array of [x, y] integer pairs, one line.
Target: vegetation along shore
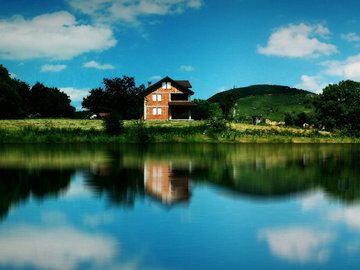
{"points": [[210, 131]]}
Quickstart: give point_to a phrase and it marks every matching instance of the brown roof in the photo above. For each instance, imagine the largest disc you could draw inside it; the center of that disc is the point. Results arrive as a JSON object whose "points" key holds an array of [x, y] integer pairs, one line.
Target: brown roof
{"points": [[184, 83], [182, 103], [184, 86]]}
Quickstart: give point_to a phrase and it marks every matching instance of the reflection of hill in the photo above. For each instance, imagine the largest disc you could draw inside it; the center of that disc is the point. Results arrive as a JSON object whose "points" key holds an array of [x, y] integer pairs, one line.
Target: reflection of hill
{"points": [[17, 186]]}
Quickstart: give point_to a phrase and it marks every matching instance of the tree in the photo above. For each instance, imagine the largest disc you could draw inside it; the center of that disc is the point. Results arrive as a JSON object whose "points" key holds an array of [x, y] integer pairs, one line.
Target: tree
{"points": [[338, 107], [206, 109], [49, 102], [13, 96], [120, 96]]}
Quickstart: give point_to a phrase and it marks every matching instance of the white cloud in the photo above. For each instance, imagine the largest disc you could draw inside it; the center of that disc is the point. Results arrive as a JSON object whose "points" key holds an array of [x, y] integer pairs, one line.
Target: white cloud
{"points": [[315, 201], [52, 36], [351, 37], [96, 65], [348, 69], [52, 68], [75, 94], [298, 244], [155, 78], [130, 11], [53, 248], [298, 41], [312, 83], [187, 68], [222, 89]]}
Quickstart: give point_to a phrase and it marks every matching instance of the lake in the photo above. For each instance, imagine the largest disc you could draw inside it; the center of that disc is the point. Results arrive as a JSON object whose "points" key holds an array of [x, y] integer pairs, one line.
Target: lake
{"points": [[192, 206]]}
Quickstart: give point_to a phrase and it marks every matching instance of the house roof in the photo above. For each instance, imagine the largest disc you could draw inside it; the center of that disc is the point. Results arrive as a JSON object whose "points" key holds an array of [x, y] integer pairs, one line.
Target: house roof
{"points": [[182, 85]]}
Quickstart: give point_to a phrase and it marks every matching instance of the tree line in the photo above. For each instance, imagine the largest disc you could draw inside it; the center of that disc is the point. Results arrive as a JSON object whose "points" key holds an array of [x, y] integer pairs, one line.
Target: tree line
{"points": [[19, 100], [336, 108]]}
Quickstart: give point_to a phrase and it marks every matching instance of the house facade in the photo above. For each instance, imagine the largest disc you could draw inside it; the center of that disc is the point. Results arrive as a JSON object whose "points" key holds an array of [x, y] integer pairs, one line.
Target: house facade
{"points": [[168, 99]]}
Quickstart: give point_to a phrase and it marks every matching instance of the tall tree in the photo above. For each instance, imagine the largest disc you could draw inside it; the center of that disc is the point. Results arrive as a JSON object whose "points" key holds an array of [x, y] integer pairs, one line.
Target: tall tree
{"points": [[338, 107], [49, 102], [119, 95], [13, 96]]}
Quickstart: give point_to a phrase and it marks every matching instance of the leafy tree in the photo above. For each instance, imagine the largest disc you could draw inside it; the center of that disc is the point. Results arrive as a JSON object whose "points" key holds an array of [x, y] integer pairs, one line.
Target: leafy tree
{"points": [[120, 95], [289, 119], [338, 107], [49, 102], [206, 109], [13, 96]]}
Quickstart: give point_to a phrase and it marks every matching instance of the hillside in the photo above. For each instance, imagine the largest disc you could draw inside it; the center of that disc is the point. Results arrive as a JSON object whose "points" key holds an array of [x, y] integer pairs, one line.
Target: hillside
{"points": [[268, 101]]}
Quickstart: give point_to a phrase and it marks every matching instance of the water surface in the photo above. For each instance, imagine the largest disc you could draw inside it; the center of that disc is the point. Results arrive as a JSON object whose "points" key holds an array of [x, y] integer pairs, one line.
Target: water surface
{"points": [[180, 207]]}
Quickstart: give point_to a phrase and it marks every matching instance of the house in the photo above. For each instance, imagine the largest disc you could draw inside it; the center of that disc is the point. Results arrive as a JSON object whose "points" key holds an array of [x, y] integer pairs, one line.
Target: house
{"points": [[167, 100]]}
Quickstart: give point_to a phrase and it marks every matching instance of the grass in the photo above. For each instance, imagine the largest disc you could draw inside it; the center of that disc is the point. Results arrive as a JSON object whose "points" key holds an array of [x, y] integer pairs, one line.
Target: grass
{"points": [[92, 131]]}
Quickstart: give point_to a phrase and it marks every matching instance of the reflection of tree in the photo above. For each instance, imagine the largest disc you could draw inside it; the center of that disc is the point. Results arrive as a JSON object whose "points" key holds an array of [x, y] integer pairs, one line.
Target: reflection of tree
{"points": [[119, 183], [18, 186]]}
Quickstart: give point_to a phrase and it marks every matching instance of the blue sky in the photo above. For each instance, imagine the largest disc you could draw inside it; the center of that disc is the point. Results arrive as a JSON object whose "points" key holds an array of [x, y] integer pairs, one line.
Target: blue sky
{"points": [[74, 44]]}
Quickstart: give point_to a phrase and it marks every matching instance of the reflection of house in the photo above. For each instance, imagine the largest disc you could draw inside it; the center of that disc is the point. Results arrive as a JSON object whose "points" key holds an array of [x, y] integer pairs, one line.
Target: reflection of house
{"points": [[165, 182], [168, 99]]}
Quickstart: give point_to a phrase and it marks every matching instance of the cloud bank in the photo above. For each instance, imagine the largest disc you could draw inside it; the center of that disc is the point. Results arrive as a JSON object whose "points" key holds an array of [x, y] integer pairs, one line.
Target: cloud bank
{"points": [[298, 41], [56, 36]]}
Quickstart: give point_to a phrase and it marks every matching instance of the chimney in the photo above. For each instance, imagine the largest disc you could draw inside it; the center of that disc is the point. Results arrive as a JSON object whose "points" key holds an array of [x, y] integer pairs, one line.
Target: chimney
{"points": [[149, 84]]}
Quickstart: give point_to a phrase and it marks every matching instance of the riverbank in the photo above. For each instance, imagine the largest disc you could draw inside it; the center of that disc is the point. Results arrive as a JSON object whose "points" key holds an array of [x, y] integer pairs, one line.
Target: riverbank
{"points": [[92, 131]]}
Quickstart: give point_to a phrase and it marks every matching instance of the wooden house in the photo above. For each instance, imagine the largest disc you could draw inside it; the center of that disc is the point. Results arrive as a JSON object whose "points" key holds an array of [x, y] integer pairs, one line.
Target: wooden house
{"points": [[168, 100]]}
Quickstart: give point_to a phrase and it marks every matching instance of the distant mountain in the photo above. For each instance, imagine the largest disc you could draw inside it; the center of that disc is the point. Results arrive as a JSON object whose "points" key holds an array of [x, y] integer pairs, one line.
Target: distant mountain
{"points": [[268, 101]]}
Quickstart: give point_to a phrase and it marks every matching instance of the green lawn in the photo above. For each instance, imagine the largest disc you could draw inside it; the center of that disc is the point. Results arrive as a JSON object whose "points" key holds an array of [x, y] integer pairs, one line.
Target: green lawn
{"points": [[92, 131]]}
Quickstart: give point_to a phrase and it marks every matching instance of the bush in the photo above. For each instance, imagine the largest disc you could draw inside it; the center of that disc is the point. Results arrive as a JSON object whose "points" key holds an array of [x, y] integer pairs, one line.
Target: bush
{"points": [[113, 124], [216, 125]]}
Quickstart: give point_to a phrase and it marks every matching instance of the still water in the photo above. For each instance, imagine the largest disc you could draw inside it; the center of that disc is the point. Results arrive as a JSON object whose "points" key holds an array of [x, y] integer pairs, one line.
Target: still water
{"points": [[180, 207]]}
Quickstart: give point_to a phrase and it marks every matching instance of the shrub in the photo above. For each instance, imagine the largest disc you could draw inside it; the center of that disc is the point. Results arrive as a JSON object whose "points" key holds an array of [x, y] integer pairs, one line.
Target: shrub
{"points": [[216, 125], [113, 124]]}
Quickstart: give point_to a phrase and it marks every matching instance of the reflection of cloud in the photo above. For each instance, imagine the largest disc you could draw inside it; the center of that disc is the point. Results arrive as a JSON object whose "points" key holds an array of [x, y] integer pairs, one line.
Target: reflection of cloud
{"points": [[54, 218], [312, 202], [98, 219], [77, 189], [54, 248], [298, 244], [350, 215]]}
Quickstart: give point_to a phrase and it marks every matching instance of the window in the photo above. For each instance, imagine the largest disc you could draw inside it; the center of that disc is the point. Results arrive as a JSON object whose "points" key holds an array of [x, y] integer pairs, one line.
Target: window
{"points": [[166, 85], [156, 97], [157, 111]]}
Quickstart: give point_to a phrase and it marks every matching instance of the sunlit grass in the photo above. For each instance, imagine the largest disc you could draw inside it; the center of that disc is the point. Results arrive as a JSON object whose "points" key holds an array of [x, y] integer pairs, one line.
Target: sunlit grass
{"points": [[92, 131]]}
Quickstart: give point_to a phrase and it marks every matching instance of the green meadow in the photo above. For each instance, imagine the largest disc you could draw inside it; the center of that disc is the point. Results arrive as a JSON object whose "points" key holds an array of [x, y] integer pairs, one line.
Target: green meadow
{"points": [[92, 131]]}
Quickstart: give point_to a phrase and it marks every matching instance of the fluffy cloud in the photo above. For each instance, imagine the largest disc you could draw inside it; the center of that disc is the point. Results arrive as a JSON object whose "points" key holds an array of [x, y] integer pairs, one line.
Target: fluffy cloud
{"points": [[109, 11], [53, 248], [297, 41], [96, 65], [348, 69], [298, 244], [52, 36], [52, 68], [155, 78], [311, 83], [187, 68], [351, 37], [74, 93]]}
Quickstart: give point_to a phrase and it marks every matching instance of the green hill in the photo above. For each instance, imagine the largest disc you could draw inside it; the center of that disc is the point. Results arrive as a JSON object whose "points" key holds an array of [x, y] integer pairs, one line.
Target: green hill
{"points": [[268, 101]]}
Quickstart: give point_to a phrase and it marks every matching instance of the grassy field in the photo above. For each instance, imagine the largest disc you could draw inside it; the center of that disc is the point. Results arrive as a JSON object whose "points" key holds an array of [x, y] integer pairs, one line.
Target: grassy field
{"points": [[92, 131]]}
